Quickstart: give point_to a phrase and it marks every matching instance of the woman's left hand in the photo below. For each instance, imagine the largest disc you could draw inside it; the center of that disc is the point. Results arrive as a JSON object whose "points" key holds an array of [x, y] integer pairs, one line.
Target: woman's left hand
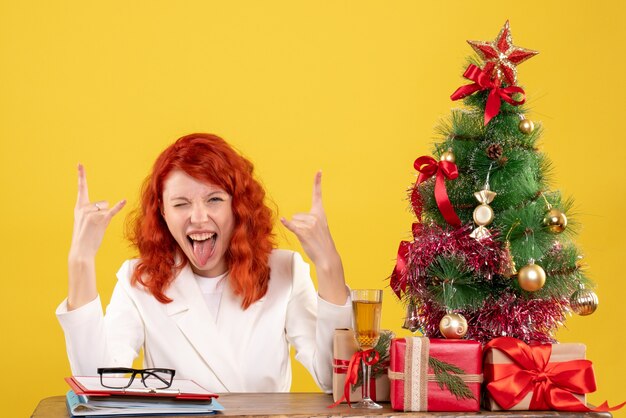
{"points": [[312, 231]]}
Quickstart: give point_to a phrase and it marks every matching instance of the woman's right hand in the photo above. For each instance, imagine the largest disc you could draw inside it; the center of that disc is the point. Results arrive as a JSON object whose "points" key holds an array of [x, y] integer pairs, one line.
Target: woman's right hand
{"points": [[90, 223], [90, 220]]}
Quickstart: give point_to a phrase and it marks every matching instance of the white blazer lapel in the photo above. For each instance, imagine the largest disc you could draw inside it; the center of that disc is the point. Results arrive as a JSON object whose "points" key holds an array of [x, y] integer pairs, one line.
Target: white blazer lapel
{"points": [[188, 309]]}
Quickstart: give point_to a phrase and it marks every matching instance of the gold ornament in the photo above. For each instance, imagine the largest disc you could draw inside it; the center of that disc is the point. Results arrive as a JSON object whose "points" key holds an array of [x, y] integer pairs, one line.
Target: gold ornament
{"points": [[448, 156], [526, 126], [555, 220], [411, 321], [453, 326], [584, 301], [483, 213], [507, 267], [480, 233], [531, 277]]}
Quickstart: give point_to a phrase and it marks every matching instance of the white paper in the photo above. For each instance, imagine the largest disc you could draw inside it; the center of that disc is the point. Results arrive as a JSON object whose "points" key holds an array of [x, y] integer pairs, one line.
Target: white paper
{"points": [[92, 383]]}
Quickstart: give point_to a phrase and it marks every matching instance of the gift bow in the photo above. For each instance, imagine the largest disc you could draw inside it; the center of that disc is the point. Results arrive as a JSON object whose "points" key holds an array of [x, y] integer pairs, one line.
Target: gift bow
{"points": [[369, 357], [427, 167], [482, 81], [553, 384]]}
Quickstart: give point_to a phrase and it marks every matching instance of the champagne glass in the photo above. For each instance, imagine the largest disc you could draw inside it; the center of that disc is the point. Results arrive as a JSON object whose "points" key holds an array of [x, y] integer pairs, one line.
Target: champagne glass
{"points": [[367, 306]]}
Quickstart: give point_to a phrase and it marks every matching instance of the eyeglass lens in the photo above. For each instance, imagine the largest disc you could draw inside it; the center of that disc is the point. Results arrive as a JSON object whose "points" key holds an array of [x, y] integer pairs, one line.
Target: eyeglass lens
{"points": [[157, 378], [122, 378]]}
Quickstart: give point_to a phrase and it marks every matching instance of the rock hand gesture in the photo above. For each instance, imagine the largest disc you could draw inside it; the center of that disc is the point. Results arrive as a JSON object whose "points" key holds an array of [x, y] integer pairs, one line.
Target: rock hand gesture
{"points": [[312, 231], [90, 222]]}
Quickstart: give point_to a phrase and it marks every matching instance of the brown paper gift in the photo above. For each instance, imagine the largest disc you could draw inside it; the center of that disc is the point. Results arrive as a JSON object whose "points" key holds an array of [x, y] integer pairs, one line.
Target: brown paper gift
{"points": [[344, 346], [560, 353]]}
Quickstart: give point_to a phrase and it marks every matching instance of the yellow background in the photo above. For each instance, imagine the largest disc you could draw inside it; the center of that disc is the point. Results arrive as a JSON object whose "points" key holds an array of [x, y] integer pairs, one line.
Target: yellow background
{"points": [[352, 87]]}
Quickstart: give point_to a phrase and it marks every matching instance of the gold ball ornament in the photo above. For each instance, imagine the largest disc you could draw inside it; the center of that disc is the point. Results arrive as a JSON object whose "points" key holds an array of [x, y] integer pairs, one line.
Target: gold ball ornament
{"points": [[526, 126], [453, 326], [584, 302], [555, 220], [531, 277], [447, 156]]}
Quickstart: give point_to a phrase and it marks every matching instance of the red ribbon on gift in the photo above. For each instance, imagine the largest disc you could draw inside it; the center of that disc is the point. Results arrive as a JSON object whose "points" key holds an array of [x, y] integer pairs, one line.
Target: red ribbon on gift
{"points": [[369, 357], [427, 167], [482, 81], [341, 367], [553, 384]]}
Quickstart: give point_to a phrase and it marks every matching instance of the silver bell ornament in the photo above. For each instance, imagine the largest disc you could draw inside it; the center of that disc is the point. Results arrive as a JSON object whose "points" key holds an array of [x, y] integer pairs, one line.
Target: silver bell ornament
{"points": [[411, 321]]}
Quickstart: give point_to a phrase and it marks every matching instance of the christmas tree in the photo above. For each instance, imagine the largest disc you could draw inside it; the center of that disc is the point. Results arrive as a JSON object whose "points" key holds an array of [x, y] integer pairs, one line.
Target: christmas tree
{"points": [[492, 251]]}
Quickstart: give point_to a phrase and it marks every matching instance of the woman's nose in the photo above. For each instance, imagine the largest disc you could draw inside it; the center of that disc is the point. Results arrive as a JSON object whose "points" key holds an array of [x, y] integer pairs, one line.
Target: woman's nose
{"points": [[199, 213]]}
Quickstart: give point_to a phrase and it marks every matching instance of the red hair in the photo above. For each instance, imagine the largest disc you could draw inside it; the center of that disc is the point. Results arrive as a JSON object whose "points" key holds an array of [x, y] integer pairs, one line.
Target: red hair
{"points": [[210, 159]]}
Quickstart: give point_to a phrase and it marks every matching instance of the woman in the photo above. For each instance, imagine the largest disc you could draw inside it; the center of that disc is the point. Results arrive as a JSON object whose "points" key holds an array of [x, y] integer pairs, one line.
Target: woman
{"points": [[208, 295]]}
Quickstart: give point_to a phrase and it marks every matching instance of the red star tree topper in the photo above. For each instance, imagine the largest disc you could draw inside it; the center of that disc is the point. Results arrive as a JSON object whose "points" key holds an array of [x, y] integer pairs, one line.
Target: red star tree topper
{"points": [[501, 56]]}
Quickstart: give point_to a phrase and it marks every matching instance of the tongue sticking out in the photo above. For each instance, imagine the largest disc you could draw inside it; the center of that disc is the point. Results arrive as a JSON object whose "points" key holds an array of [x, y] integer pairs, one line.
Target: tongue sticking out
{"points": [[203, 250]]}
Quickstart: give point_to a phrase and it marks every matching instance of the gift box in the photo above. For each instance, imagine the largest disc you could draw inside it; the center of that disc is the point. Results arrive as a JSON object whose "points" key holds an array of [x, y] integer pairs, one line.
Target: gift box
{"points": [[435, 374], [536, 377], [344, 347]]}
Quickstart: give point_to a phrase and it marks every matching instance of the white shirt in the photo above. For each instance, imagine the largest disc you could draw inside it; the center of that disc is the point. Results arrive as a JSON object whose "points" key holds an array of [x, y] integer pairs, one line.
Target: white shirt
{"points": [[242, 351], [212, 289]]}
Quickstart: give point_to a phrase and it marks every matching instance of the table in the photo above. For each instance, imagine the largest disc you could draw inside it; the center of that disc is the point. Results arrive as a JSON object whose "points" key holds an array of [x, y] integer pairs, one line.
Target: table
{"points": [[296, 405]]}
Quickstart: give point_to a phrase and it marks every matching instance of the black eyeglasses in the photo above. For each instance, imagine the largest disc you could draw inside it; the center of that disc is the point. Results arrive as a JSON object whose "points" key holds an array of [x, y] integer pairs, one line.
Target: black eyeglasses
{"points": [[151, 378]]}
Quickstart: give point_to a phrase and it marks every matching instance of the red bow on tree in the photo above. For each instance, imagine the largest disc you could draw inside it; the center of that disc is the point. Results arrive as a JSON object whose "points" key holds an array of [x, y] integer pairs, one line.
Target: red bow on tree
{"points": [[553, 385], [427, 167], [497, 93]]}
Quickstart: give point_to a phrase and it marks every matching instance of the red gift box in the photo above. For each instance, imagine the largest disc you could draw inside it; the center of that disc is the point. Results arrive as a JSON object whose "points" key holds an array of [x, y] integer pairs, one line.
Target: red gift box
{"points": [[537, 377], [416, 387]]}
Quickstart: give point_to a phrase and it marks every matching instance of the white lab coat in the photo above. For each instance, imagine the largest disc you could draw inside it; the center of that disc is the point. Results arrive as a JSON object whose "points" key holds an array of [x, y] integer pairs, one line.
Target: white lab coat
{"points": [[243, 351]]}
